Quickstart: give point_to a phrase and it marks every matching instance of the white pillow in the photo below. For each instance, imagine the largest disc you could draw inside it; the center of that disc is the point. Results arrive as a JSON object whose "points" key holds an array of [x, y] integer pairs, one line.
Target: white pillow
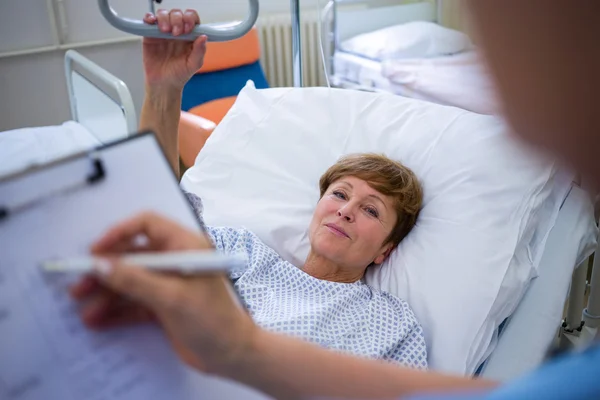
{"points": [[417, 39], [465, 265]]}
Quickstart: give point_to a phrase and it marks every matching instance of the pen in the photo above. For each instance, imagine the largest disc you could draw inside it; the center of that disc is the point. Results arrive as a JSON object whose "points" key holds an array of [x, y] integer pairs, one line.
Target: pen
{"points": [[187, 262]]}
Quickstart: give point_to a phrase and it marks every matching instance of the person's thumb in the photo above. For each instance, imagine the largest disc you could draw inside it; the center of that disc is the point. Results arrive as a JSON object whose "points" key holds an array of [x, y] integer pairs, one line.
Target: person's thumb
{"points": [[149, 288], [198, 52]]}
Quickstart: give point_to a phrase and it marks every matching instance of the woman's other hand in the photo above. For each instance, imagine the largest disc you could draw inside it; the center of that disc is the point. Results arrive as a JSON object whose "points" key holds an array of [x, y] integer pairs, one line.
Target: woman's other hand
{"points": [[168, 63], [205, 324]]}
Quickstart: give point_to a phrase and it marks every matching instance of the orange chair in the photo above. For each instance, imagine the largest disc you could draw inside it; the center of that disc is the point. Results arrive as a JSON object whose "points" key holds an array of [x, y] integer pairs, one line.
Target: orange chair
{"points": [[193, 133], [211, 92]]}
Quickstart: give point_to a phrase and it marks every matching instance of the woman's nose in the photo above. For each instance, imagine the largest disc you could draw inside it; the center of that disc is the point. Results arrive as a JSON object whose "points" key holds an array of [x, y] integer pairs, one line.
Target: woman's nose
{"points": [[346, 214]]}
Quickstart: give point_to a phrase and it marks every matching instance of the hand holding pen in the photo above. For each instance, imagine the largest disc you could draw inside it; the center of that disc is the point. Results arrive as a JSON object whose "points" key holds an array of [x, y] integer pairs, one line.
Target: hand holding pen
{"points": [[118, 294]]}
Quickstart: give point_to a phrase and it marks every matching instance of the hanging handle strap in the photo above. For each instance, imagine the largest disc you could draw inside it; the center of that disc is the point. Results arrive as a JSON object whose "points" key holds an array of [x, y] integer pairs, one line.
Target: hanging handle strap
{"points": [[214, 32]]}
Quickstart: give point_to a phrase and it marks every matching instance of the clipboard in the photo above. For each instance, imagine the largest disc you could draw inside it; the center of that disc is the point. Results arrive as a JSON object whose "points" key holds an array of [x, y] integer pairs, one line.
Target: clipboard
{"points": [[129, 175], [57, 210]]}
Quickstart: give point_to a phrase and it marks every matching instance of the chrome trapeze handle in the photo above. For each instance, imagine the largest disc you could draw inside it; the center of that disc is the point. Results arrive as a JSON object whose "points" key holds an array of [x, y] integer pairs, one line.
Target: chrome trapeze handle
{"points": [[214, 32]]}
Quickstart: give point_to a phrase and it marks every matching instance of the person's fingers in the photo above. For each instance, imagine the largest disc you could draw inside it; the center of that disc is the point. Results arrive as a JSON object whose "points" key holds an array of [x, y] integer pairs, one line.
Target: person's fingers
{"points": [[123, 317], [190, 20], [97, 308], [158, 292], [109, 309], [150, 18], [125, 233], [198, 52], [118, 238], [164, 20], [159, 232], [85, 287], [176, 17], [125, 245]]}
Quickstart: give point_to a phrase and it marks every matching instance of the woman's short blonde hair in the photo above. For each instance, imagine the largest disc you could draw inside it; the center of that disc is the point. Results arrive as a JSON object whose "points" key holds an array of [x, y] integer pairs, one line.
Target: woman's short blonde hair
{"points": [[389, 178]]}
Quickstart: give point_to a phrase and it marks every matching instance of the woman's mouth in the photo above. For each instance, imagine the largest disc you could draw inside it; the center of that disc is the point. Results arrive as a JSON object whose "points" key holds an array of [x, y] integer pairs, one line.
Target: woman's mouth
{"points": [[337, 230]]}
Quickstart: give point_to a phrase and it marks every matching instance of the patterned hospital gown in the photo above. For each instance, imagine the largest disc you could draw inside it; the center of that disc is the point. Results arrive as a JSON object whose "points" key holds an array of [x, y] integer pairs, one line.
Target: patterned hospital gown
{"points": [[347, 317]]}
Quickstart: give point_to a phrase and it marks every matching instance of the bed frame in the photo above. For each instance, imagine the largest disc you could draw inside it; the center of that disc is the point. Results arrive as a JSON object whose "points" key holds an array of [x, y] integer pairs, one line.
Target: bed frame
{"points": [[99, 101], [582, 319]]}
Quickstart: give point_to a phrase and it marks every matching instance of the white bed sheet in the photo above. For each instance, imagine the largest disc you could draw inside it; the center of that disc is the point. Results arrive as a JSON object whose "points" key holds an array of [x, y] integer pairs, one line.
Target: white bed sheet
{"points": [[528, 334], [21, 148], [459, 80], [350, 68]]}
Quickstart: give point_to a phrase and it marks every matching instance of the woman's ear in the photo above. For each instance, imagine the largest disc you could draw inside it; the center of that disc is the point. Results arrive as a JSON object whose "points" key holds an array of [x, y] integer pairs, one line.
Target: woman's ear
{"points": [[385, 254]]}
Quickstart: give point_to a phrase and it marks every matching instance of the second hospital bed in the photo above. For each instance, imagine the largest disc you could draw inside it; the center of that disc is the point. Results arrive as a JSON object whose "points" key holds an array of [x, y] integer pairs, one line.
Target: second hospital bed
{"points": [[363, 42], [526, 334], [102, 111]]}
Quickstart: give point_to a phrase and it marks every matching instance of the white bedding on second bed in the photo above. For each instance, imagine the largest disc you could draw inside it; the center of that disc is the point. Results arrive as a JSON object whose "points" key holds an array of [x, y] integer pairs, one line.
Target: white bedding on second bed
{"points": [[458, 80], [361, 71]]}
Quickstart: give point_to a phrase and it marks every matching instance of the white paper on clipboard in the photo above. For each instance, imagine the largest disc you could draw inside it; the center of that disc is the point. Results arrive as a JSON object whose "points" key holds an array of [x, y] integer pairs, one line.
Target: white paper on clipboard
{"points": [[45, 351]]}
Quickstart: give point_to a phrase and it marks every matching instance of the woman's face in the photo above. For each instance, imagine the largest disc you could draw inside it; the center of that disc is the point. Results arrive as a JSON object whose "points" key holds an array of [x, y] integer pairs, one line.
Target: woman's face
{"points": [[350, 224]]}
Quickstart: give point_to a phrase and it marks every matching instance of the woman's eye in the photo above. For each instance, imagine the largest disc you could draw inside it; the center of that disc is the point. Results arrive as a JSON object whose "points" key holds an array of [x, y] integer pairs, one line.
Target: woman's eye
{"points": [[373, 212], [339, 194]]}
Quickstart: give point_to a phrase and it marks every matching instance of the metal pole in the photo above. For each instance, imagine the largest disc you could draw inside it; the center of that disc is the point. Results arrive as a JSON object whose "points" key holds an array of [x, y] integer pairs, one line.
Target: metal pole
{"points": [[576, 299], [333, 41], [296, 43], [591, 315]]}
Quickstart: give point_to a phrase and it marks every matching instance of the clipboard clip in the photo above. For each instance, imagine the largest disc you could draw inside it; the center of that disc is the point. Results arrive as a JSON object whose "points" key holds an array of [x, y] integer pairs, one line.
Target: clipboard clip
{"points": [[97, 175], [98, 172]]}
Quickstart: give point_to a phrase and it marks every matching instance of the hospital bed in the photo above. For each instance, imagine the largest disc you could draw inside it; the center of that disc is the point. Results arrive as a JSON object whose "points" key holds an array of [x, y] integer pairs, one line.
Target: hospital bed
{"points": [[102, 111], [520, 343], [457, 79]]}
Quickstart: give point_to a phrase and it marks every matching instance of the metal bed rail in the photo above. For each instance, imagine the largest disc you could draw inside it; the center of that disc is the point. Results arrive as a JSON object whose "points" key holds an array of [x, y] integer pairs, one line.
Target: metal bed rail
{"points": [[582, 319]]}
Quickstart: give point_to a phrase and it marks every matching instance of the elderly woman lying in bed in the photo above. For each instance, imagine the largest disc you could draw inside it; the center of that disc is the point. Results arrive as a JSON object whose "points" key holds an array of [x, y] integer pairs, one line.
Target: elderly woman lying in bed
{"points": [[368, 204]]}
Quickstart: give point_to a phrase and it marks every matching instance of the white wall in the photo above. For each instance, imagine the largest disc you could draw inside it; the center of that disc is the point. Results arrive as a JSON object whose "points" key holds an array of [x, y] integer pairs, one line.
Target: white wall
{"points": [[455, 15], [32, 86]]}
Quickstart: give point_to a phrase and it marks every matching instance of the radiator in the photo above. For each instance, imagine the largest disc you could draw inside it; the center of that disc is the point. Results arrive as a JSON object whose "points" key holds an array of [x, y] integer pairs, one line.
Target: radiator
{"points": [[275, 33]]}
